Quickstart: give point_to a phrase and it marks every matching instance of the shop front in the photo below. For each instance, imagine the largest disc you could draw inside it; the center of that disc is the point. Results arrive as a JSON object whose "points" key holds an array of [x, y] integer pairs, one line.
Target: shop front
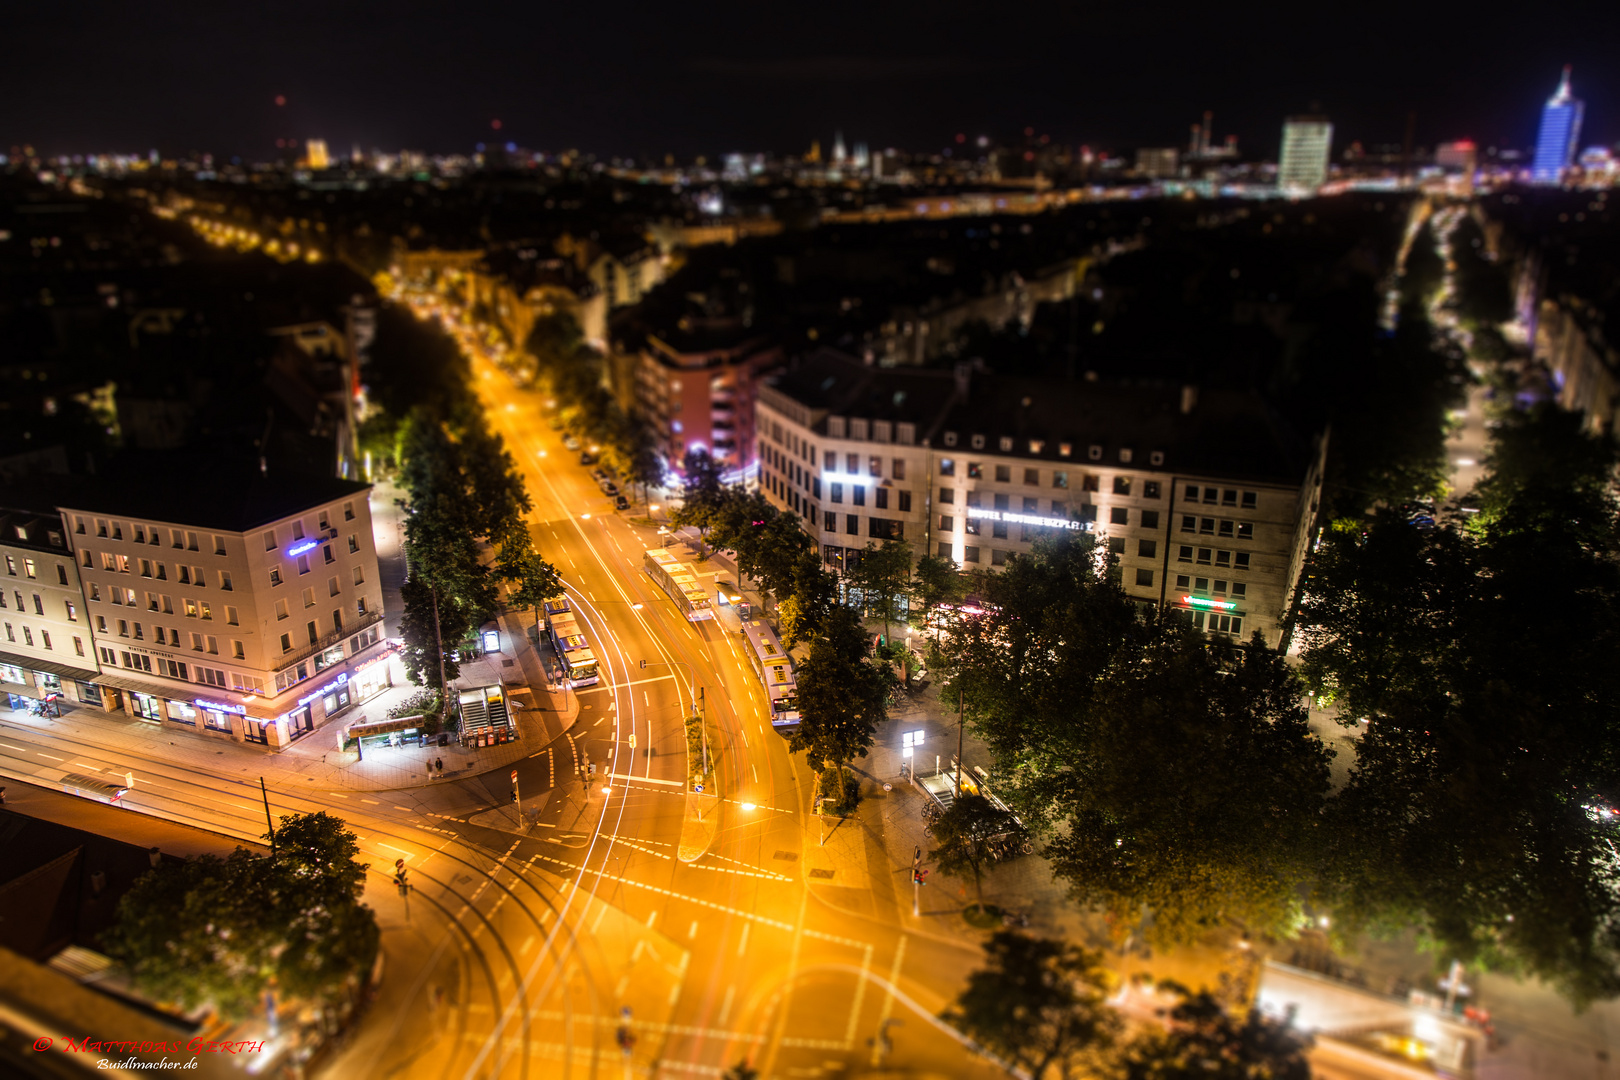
{"points": [[26, 682], [221, 717], [181, 712], [372, 678], [144, 706]]}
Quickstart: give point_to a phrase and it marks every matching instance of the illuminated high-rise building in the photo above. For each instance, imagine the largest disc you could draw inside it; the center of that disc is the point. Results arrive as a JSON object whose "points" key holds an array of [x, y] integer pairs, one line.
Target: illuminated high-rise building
{"points": [[1559, 134], [1303, 164], [315, 154], [838, 148]]}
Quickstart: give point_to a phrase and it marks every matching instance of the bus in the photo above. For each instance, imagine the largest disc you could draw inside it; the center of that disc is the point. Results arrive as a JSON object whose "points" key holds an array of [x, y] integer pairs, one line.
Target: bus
{"points": [[568, 641], [774, 670], [680, 582]]}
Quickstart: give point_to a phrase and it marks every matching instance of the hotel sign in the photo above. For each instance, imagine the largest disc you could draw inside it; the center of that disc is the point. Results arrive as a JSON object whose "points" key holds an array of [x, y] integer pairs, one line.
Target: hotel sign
{"points": [[1027, 519]]}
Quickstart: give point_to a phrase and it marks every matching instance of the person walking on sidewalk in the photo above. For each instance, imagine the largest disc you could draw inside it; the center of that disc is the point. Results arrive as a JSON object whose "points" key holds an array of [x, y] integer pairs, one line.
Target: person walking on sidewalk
{"points": [[438, 763], [430, 768]]}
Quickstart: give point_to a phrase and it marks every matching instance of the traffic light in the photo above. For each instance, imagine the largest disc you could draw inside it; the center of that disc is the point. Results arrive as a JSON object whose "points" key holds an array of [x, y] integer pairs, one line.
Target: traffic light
{"points": [[919, 877], [514, 795], [399, 877]]}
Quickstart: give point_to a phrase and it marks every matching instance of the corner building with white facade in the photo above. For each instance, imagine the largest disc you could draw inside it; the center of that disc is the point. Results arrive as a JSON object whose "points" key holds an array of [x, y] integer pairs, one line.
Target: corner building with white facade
{"points": [[1206, 503], [252, 613], [46, 647]]}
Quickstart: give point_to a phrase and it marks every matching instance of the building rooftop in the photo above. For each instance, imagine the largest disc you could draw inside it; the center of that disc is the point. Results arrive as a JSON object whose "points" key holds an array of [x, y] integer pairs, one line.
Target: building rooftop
{"points": [[37, 530], [1152, 428], [177, 489]]}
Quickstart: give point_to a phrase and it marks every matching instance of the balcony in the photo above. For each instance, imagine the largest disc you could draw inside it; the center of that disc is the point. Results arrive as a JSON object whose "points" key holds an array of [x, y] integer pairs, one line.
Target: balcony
{"points": [[288, 659]]}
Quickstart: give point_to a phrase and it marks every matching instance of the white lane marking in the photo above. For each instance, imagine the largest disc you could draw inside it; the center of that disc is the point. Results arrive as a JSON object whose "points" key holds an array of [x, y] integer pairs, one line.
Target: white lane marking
{"points": [[725, 1006], [53, 757], [373, 802], [742, 945], [648, 780], [24, 750], [692, 930], [755, 768]]}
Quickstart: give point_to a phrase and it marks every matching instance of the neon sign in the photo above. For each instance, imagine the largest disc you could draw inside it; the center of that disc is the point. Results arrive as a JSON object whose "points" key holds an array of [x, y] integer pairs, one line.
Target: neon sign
{"points": [[307, 545], [1200, 602], [218, 706], [323, 691], [1027, 519]]}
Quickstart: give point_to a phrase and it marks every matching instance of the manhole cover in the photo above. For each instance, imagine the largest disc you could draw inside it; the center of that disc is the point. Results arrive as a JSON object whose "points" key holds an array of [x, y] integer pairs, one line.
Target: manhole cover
{"points": [[821, 873], [462, 879], [786, 856]]}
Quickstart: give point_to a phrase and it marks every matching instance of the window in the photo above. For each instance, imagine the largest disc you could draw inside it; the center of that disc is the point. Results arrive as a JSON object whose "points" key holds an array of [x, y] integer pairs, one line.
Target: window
{"points": [[1189, 523], [1119, 515], [123, 628], [998, 557], [237, 650], [899, 468], [1060, 478], [1003, 474], [1211, 496], [162, 572], [1220, 586], [281, 609], [213, 645], [1094, 452], [28, 636], [324, 522], [1203, 556], [1001, 502], [829, 521], [286, 643], [852, 464], [1032, 477], [1032, 506], [947, 467], [945, 549], [1239, 589], [206, 611], [1144, 578], [230, 616], [191, 541], [905, 502], [857, 494], [332, 586], [1088, 482], [1248, 500], [298, 529], [1223, 558], [1183, 581], [815, 486], [1116, 545], [998, 530], [199, 578], [852, 525], [360, 606], [1201, 585], [970, 553], [84, 558], [39, 605], [977, 441], [1242, 562], [313, 631], [354, 543], [1122, 485], [874, 466], [101, 624], [1184, 553], [1150, 489], [1229, 497], [348, 511], [225, 580], [880, 498], [1192, 492], [309, 597], [78, 645], [1147, 549], [837, 492], [1206, 526], [326, 550], [947, 495], [72, 612], [219, 545], [975, 471], [1245, 531], [1226, 529], [971, 526], [190, 608], [947, 523], [303, 564], [1150, 519]]}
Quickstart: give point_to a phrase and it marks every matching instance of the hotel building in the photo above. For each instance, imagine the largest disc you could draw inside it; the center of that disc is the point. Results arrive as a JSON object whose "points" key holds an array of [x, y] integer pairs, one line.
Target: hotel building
{"points": [[254, 613], [1207, 506]]}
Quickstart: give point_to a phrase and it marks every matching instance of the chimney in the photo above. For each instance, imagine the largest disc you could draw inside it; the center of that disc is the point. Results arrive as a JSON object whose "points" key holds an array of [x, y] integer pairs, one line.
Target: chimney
{"points": [[1189, 398]]}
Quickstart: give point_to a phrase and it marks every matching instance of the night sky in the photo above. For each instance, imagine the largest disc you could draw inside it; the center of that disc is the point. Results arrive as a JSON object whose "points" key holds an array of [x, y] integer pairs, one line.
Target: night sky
{"points": [[709, 77]]}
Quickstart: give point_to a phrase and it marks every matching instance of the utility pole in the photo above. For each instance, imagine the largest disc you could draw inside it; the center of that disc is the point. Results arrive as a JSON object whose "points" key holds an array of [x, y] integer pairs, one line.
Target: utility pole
{"points": [[916, 884], [268, 823], [960, 725], [438, 641]]}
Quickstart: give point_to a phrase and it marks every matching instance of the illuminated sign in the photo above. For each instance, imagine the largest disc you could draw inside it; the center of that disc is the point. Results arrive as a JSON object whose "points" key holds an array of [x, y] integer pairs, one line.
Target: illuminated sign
{"points": [[218, 706], [323, 691], [1200, 602], [1027, 519], [299, 549]]}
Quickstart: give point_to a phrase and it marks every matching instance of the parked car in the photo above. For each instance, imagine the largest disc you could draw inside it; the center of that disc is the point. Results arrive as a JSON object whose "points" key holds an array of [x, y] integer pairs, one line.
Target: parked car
{"points": [[599, 475], [570, 442], [620, 502], [610, 489], [587, 458]]}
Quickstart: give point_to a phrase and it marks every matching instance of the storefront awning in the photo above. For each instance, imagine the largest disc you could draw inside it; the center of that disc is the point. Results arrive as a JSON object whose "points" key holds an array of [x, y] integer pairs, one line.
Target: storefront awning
{"points": [[34, 663]]}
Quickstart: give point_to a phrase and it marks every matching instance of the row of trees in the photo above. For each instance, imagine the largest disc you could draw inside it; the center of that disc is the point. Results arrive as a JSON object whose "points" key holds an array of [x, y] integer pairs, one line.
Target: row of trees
{"points": [[571, 372], [463, 494], [1041, 1006], [227, 932]]}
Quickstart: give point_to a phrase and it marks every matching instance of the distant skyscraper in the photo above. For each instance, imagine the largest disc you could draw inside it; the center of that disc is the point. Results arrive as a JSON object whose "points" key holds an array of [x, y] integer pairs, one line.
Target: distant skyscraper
{"points": [[1303, 164], [1559, 134], [315, 153], [838, 148]]}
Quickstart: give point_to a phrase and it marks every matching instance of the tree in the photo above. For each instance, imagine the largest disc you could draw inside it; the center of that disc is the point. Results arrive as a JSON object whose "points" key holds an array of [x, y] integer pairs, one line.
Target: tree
{"points": [[937, 582], [882, 575], [703, 492], [741, 1071], [1425, 270], [222, 932], [964, 832], [1039, 1005], [1172, 774], [1481, 664], [842, 697], [1203, 1041]]}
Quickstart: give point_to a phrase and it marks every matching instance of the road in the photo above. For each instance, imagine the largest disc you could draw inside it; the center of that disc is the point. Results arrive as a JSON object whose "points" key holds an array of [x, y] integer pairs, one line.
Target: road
{"points": [[520, 946]]}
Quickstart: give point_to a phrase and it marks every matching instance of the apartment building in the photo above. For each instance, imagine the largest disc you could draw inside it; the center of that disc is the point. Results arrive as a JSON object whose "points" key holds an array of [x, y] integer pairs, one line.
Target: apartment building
{"points": [[1206, 504], [47, 649], [697, 390], [253, 613]]}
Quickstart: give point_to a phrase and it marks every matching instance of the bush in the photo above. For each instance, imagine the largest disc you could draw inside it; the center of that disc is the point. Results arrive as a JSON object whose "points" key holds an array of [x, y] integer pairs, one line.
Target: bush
{"points": [[421, 703], [694, 749], [827, 787]]}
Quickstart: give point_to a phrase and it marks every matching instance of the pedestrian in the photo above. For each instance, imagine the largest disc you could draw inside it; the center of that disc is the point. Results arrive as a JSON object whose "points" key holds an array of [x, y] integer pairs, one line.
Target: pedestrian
{"points": [[430, 768], [438, 763]]}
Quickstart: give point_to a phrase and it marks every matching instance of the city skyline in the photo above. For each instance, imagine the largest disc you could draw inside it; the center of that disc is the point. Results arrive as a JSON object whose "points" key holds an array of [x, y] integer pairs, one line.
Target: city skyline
{"points": [[746, 82]]}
